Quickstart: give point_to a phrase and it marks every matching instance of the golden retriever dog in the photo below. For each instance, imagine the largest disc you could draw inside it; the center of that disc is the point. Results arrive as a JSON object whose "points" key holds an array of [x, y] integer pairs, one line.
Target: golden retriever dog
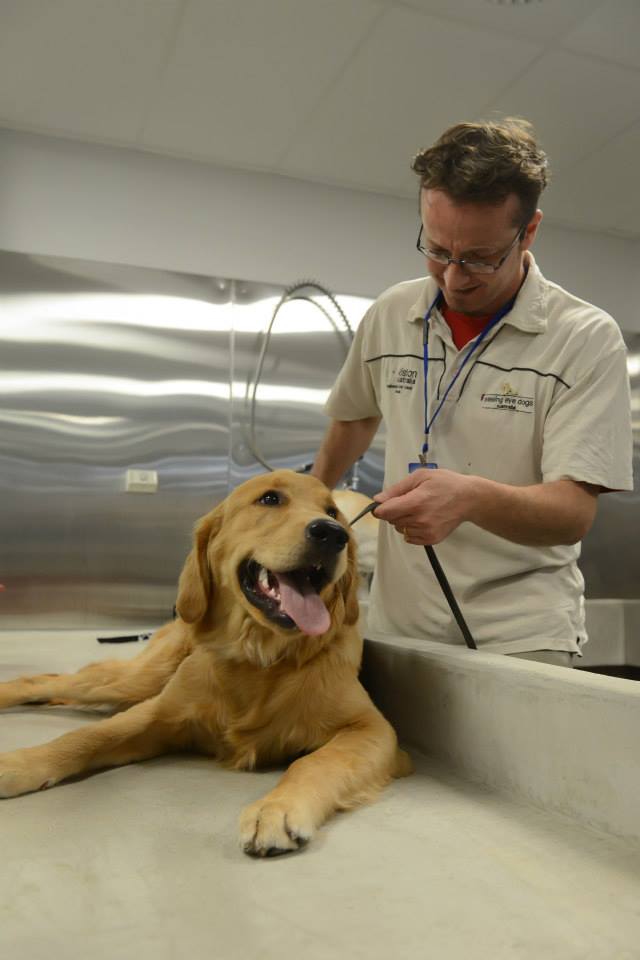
{"points": [[260, 668]]}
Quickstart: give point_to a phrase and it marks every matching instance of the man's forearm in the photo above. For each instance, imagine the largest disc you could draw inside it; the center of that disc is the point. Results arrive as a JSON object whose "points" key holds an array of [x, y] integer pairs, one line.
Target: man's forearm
{"points": [[427, 505], [344, 442], [545, 514]]}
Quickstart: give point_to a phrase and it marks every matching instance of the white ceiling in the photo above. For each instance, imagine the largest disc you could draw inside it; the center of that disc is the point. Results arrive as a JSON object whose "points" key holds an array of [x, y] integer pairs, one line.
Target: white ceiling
{"points": [[338, 91]]}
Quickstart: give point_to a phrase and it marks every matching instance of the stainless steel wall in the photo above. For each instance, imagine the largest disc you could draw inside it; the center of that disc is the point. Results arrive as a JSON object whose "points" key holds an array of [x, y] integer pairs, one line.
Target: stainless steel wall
{"points": [[610, 558], [104, 368]]}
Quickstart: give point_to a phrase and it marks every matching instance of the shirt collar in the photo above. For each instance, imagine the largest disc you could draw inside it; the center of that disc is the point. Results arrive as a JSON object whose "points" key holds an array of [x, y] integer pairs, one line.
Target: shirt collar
{"points": [[529, 312]]}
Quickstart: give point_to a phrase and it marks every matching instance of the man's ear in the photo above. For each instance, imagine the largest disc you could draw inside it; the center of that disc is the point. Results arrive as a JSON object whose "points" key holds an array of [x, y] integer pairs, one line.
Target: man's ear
{"points": [[531, 230], [195, 587]]}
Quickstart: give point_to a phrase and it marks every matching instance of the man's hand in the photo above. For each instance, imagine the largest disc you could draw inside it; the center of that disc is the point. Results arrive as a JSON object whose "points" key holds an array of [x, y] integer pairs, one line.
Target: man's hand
{"points": [[427, 505]]}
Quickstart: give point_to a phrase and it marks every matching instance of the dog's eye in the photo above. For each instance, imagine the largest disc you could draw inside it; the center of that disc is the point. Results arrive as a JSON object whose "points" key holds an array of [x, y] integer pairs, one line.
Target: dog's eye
{"points": [[332, 512], [270, 499]]}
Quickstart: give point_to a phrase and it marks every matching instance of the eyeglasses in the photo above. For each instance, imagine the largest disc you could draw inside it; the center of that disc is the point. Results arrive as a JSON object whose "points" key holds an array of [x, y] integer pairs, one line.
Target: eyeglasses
{"points": [[471, 266]]}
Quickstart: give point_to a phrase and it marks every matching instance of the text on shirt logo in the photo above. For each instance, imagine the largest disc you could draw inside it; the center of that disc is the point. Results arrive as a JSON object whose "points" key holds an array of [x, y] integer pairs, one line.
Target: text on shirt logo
{"points": [[509, 399], [404, 378]]}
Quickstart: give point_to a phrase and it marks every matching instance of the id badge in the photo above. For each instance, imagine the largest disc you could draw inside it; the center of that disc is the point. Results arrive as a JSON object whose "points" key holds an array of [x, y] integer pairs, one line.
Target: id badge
{"points": [[418, 466]]}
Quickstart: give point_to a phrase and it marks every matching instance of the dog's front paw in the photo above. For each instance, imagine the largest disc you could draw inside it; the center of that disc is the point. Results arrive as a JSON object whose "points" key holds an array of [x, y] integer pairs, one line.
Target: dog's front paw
{"points": [[21, 773], [271, 827]]}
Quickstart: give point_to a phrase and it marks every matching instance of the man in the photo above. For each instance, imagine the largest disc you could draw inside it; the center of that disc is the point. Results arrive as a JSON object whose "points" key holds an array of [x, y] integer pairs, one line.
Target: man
{"points": [[525, 413]]}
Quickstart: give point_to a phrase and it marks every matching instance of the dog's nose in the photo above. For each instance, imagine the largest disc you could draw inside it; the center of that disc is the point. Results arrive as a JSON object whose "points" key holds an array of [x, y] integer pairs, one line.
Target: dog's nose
{"points": [[327, 534]]}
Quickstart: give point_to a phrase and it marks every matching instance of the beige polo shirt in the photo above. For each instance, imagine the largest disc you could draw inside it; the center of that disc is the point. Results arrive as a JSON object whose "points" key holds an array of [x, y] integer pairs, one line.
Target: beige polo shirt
{"points": [[545, 397]]}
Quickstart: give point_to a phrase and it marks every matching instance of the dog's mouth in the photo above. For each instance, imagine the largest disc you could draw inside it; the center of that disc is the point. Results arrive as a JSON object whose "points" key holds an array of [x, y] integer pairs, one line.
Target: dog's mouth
{"points": [[291, 599]]}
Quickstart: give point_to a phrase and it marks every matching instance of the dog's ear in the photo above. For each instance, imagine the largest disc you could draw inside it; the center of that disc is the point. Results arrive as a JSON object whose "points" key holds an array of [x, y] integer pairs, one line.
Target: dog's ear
{"points": [[348, 586], [195, 587]]}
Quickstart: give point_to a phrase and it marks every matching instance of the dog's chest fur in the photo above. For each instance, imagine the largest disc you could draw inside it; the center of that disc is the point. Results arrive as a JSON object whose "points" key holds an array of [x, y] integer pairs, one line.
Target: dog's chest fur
{"points": [[250, 716]]}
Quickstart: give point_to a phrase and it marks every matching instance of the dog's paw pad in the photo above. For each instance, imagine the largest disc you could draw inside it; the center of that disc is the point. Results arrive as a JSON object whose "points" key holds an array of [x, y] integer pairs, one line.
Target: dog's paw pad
{"points": [[255, 849], [272, 829]]}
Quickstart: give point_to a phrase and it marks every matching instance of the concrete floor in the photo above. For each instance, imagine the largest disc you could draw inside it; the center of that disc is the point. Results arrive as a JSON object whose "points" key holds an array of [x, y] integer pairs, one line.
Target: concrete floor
{"points": [[142, 862]]}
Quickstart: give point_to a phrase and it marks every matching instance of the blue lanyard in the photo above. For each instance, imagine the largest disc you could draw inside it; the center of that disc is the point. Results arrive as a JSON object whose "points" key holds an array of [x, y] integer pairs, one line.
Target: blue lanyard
{"points": [[428, 423]]}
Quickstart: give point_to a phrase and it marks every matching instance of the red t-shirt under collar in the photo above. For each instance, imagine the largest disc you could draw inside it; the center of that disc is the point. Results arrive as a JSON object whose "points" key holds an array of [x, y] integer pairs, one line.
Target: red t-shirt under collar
{"points": [[463, 327]]}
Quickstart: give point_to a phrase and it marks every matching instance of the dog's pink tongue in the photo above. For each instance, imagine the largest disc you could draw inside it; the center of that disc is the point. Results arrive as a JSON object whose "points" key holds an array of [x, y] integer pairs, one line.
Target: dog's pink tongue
{"points": [[306, 610]]}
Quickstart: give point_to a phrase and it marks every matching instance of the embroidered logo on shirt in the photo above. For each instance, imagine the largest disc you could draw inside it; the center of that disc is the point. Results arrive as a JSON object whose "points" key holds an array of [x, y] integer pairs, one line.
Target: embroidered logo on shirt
{"points": [[509, 399], [402, 378]]}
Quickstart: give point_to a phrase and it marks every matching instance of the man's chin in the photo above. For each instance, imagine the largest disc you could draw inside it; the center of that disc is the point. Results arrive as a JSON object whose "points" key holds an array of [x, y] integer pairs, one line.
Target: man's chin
{"points": [[470, 301]]}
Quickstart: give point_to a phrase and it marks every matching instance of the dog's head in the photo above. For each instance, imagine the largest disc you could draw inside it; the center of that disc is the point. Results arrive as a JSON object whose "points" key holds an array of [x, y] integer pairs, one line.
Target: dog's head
{"points": [[279, 547]]}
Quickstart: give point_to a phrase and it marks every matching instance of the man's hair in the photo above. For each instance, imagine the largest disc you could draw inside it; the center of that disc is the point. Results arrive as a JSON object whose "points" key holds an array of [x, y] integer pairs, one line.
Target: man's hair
{"points": [[485, 162]]}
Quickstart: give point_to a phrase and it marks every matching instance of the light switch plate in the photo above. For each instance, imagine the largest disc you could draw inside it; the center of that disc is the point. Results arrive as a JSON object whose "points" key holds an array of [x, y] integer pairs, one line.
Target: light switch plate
{"points": [[142, 481]]}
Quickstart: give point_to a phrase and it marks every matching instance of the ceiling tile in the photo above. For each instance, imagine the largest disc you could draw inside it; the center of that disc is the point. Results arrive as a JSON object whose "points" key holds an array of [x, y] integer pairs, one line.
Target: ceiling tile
{"points": [[243, 75], [82, 67], [612, 32], [575, 104], [413, 77], [541, 20]]}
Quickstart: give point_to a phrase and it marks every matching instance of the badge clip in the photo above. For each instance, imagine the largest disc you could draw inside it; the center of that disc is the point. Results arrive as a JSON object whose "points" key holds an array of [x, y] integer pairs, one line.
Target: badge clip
{"points": [[421, 463]]}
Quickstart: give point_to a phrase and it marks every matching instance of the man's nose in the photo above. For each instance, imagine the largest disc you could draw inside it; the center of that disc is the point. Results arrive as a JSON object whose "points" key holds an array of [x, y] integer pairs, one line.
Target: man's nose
{"points": [[456, 274]]}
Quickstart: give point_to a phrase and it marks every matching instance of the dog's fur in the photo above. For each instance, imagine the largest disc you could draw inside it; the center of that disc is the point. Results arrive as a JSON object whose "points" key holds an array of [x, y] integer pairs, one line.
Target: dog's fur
{"points": [[229, 680], [350, 503]]}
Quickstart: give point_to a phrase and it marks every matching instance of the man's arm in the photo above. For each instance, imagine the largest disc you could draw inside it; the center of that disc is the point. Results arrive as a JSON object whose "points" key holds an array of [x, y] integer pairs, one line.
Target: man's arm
{"points": [[430, 504], [344, 442]]}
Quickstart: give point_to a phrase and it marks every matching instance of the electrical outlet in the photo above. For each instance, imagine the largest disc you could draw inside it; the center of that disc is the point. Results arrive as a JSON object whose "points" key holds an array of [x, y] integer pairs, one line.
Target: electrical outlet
{"points": [[142, 481]]}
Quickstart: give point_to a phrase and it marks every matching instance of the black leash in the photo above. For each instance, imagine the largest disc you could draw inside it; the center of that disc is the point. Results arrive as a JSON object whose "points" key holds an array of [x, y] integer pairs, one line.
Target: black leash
{"points": [[442, 580], [132, 638]]}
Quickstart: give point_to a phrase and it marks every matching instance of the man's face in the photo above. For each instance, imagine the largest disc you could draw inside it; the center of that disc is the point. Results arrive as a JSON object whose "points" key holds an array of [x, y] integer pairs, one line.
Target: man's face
{"points": [[475, 231]]}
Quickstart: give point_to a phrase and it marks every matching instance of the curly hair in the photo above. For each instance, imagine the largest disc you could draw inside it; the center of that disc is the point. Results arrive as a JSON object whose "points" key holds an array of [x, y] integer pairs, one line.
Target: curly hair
{"points": [[485, 162]]}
